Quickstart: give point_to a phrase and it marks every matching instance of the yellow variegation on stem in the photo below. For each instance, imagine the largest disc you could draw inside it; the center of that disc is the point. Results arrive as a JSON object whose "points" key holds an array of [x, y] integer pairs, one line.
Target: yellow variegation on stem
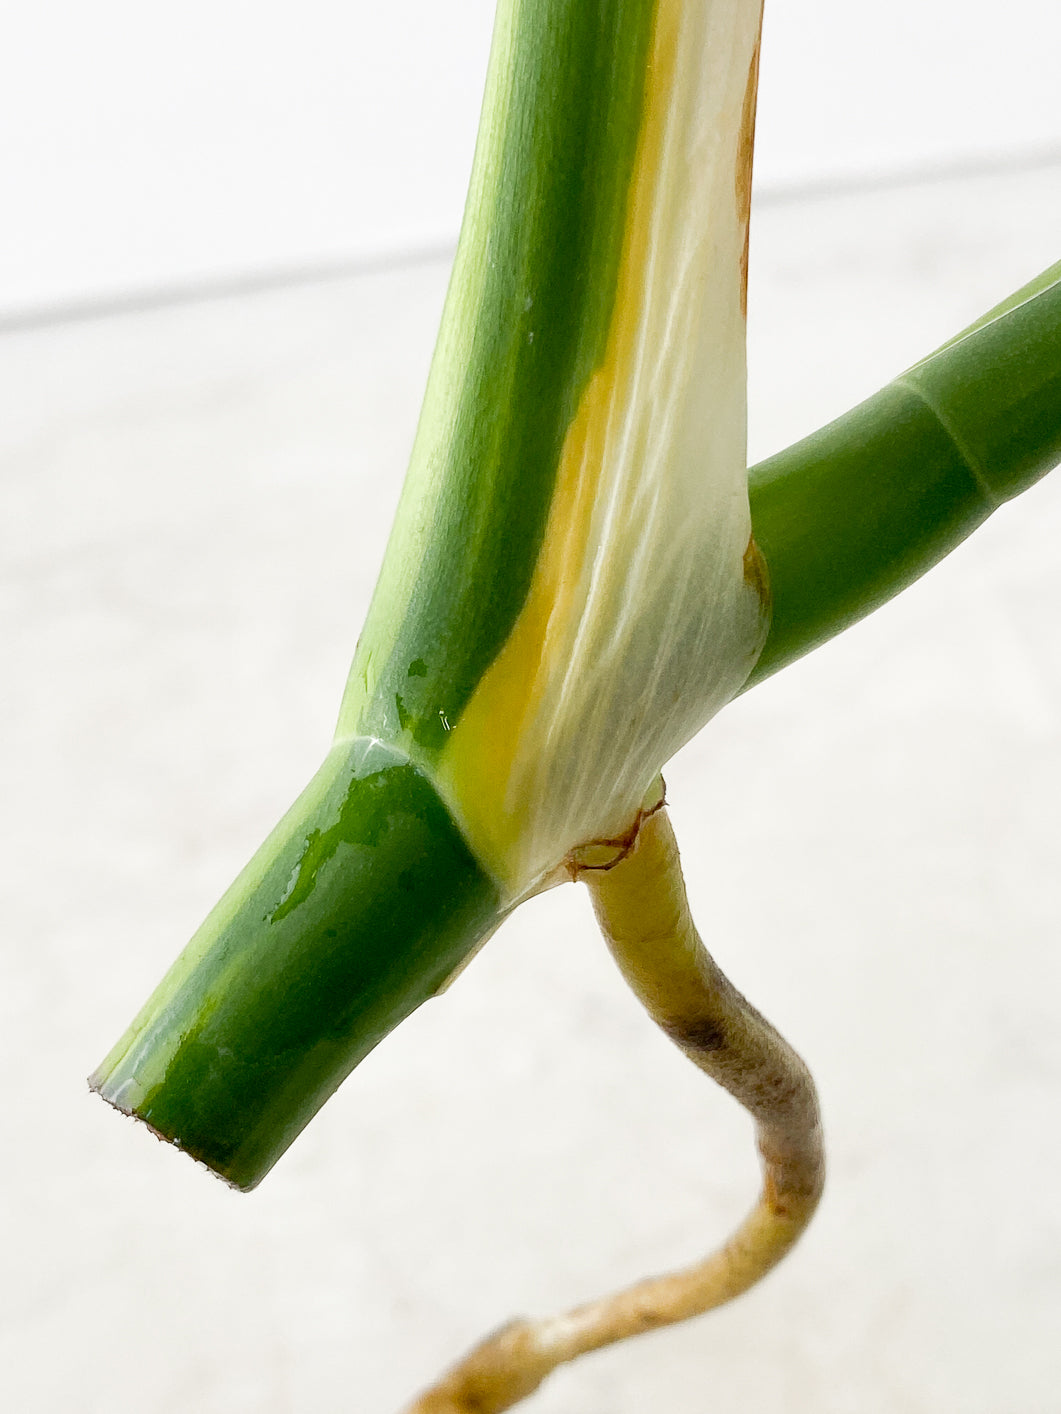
{"points": [[571, 590], [646, 608]]}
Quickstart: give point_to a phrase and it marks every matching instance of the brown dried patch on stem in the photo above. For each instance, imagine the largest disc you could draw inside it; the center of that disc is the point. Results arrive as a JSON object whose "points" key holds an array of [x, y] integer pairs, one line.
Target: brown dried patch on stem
{"points": [[607, 853], [756, 572]]}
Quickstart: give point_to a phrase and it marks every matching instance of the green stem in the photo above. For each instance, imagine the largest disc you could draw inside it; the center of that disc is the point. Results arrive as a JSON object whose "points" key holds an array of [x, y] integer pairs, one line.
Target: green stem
{"points": [[365, 899], [860, 509], [525, 324], [358, 907]]}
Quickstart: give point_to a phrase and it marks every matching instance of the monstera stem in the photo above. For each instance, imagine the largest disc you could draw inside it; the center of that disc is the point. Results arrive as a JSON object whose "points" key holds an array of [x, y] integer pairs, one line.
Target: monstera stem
{"points": [[640, 901], [854, 513]]}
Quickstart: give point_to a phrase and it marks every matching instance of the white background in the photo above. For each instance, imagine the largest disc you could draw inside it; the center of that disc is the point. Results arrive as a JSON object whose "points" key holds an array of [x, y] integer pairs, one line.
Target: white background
{"points": [[195, 501], [148, 146]]}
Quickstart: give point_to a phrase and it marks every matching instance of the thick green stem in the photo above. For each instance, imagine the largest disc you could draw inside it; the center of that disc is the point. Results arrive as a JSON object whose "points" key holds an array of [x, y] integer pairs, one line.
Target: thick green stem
{"points": [[525, 326], [857, 511], [358, 907], [365, 898]]}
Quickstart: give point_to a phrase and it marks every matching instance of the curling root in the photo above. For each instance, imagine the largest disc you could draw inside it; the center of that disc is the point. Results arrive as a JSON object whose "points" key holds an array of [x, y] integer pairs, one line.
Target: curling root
{"points": [[643, 911]]}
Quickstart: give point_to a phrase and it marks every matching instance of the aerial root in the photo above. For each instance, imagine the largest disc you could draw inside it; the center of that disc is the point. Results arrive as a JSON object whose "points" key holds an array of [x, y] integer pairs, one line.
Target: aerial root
{"points": [[641, 905]]}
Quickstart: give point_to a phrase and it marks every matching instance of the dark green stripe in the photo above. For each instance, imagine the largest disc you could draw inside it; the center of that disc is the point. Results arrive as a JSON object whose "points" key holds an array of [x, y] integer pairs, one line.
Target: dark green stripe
{"points": [[549, 243], [353, 913], [852, 514]]}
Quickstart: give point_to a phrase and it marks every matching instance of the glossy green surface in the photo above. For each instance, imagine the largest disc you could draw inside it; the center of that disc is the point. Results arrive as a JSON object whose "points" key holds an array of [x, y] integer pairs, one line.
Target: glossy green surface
{"points": [[358, 907], [997, 388], [524, 327], [852, 514], [366, 898]]}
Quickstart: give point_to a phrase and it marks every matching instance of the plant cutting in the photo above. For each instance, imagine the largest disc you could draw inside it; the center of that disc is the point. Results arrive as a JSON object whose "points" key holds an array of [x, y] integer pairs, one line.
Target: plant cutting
{"points": [[578, 579]]}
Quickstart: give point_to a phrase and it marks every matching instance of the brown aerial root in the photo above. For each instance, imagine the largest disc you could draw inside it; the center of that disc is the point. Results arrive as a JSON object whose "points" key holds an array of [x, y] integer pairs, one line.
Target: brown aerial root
{"points": [[641, 905]]}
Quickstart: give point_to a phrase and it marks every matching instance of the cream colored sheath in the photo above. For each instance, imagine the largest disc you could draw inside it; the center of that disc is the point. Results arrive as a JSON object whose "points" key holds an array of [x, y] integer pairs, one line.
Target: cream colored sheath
{"points": [[640, 901]]}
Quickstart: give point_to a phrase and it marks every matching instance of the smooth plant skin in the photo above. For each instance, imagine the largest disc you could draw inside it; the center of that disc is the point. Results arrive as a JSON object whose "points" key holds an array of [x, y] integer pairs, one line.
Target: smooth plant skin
{"points": [[570, 589], [311, 957], [854, 513], [359, 906], [579, 577], [849, 516], [542, 637]]}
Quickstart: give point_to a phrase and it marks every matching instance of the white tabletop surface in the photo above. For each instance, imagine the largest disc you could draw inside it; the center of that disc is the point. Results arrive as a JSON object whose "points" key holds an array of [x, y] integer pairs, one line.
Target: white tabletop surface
{"points": [[195, 501]]}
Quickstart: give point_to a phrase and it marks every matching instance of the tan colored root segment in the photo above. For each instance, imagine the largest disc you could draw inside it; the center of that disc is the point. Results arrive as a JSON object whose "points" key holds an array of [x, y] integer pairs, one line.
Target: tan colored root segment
{"points": [[641, 905]]}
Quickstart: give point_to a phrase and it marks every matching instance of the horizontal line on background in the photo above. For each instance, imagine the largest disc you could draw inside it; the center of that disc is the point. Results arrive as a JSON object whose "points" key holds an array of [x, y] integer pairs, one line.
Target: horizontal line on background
{"points": [[892, 179], [229, 287], [223, 287]]}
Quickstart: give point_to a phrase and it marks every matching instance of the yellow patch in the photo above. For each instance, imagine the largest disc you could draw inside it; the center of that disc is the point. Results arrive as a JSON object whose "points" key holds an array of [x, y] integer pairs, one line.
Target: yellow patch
{"points": [[476, 766], [584, 702]]}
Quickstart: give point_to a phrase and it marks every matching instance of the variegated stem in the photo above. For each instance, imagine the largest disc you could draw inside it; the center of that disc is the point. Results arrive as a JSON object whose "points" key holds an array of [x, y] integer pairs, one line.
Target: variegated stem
{"points": [[569, 593], [640, 901]]}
